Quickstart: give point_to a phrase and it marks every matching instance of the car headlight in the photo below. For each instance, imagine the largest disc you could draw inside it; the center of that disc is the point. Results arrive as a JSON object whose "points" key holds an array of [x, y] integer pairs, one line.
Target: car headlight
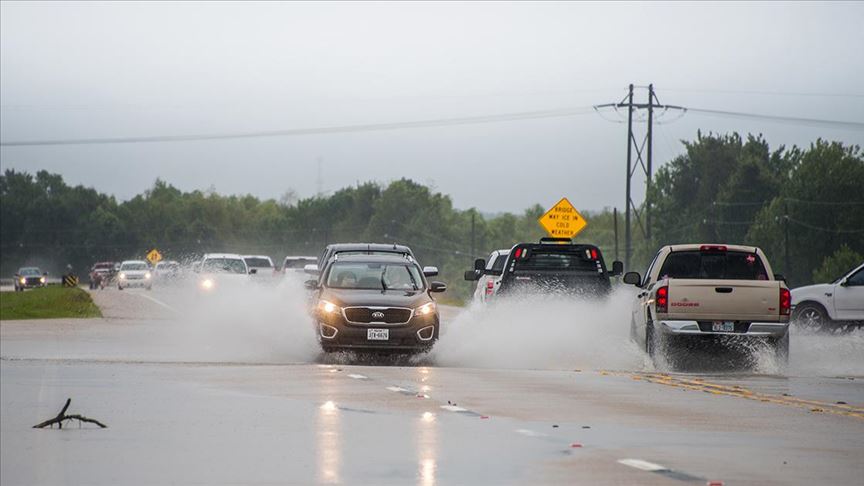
{"points": [[327, 307], [426, 309], [41, 279], [207, 284], [147, 276], [122, 275], [23, 280]]}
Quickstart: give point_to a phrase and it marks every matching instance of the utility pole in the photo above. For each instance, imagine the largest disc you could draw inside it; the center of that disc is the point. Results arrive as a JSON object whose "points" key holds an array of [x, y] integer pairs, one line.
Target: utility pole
{"points": [[615, 223], [643, 159], [472, 234], [786, 239]]}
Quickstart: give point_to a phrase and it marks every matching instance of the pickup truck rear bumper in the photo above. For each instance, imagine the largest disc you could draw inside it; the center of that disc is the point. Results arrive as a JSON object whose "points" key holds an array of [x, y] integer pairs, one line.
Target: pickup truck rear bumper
{"points": [[755, 329]]}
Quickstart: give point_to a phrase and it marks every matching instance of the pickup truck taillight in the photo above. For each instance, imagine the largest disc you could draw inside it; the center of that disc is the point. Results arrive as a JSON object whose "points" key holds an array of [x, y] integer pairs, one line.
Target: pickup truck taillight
{"points": [[785, 302], [662, 300]]}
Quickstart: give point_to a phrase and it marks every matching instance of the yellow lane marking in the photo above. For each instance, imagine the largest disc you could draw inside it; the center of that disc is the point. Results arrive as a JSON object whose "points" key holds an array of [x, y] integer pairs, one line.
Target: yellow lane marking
{"points": [[697, 384]]}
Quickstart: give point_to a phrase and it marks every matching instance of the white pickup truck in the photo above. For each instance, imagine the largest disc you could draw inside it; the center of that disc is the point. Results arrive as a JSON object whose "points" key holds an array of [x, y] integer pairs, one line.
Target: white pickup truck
{"points": [[832, 305], [710, 291]]}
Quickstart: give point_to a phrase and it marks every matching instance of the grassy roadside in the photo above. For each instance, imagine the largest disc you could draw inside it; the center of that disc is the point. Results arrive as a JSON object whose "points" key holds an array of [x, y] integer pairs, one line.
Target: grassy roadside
{"points": [[47, 303]]}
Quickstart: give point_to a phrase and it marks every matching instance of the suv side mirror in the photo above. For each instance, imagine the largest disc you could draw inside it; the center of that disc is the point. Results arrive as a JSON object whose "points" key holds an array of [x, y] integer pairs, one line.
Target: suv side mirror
{"points": [[617, 269], [311, 284], [479, 264], [437, 287], [632, 278], [472, 275]]}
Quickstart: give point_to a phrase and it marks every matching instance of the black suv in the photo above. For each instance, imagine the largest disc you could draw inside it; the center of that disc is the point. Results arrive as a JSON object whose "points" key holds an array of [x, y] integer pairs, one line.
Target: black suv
{"points": [[375, 302], [553, 266]]}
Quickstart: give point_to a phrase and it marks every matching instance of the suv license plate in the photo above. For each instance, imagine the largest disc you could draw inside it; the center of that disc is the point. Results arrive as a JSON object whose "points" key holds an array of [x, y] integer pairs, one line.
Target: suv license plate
{"points": [[723, 326], [378, 334]]}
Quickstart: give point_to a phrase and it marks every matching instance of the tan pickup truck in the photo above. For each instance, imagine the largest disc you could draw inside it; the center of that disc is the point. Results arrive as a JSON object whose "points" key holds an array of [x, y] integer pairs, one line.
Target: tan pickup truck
{"points": [[710, 292]]}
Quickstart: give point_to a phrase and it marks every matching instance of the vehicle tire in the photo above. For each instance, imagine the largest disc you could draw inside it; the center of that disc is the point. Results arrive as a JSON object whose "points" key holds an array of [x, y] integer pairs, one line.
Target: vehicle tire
{"points": [[781, 349], [149, 287], [650, 341], [811, 316], [119, 287]]}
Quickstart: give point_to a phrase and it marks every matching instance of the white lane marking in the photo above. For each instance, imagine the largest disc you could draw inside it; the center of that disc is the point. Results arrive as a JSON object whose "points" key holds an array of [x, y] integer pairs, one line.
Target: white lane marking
{"points": [[358, 377], [453, 408], [643, 465], [397, 389], [163, 304], [530, 433]]}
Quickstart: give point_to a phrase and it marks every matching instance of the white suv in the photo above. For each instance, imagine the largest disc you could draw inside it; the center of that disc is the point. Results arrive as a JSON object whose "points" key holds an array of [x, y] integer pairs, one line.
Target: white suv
{"points": [[219, 270], [134, 273], [489, 277], [824, 306]]}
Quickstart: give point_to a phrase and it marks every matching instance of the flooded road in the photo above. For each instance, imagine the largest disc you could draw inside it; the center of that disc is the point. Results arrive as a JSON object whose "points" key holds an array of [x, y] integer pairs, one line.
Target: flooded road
{"points": [[213, 392]]}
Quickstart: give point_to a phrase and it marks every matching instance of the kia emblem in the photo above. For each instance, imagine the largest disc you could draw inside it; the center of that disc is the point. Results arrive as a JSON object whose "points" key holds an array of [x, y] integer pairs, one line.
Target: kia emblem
{"points": [[378, 315]]}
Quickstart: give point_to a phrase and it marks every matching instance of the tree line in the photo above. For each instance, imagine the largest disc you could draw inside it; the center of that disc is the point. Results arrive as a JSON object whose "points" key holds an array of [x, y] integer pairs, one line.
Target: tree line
{"points": [[807, 202]]}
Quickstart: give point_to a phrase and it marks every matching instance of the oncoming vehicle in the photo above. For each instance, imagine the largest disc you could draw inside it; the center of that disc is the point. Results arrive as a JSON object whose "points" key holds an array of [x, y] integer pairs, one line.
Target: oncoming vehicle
{"points": [[709, 293], [375, 302], [832, 305], [262, 264], [554, 266], [217, 270], [166, 271], [100, 274], [357, 249], [297, 263], [134, 273], [29, 278]]}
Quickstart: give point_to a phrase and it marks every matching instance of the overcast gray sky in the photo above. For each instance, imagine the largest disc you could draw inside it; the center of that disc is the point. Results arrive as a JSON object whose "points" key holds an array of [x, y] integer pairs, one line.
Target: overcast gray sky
{"points": [[80, 70]]}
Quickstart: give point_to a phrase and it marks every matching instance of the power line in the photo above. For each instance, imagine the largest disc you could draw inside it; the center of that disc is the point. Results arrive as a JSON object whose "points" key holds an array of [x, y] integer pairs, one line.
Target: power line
{"points": [[781, 119], [439, 122]]}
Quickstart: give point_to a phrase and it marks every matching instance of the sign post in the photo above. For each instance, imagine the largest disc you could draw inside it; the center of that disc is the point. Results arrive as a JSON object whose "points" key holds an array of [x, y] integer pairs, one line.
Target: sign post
{"points": [[563, 220]]}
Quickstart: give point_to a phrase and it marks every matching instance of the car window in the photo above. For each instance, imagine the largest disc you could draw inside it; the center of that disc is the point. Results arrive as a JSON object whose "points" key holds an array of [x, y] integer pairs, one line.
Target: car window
{"points": [[374, 276], [498, 265], [566, 258], [29, 272], [732, 265], [258, 262], [224, 265], [647, 277], [298, 263], [133, 266], [856, 279]]}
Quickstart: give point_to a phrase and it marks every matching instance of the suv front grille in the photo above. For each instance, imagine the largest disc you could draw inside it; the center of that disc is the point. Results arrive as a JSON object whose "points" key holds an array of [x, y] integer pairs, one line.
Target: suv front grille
{"points": [[392, 315]]}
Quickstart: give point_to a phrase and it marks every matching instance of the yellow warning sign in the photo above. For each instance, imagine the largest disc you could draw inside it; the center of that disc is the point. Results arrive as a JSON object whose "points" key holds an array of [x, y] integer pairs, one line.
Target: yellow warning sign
{"points": [[562, 220], [154, 256]]}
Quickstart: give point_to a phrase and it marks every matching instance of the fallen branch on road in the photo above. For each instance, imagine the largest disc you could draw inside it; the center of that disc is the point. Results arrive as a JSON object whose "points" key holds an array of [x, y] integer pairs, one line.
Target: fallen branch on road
{"points": [[62, 416]]}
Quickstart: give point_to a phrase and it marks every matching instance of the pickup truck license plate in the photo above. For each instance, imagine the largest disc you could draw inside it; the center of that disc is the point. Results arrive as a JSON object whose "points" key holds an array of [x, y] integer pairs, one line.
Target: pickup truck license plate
{"points": [[723, 326], [378, 334]]}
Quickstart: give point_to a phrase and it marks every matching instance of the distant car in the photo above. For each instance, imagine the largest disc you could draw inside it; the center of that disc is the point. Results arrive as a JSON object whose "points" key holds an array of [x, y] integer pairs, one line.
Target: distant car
{"points": [[29, 278], [262, 264], [831, 305], [553, 266], [375, 302], [297, 263], [134, 273], [357, 249], [489, 278], [166, 271], [222, 270], [101, 274]]}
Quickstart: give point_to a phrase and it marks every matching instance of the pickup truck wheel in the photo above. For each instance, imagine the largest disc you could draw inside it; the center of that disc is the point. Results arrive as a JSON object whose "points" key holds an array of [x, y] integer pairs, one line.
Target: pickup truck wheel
{"points": [[811, 316], [781, 349], [650, 341]]}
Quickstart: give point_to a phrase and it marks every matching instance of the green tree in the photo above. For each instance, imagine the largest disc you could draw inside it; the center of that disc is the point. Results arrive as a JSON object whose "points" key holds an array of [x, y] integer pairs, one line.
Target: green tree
{"points": [[836, 265]]}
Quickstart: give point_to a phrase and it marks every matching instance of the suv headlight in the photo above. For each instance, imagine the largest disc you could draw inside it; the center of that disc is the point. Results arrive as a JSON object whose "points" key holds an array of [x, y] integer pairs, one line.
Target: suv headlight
{"points": [[327, 307], [122, 275], [426, 309], [23, 280], [207, 284], [147, 276]]}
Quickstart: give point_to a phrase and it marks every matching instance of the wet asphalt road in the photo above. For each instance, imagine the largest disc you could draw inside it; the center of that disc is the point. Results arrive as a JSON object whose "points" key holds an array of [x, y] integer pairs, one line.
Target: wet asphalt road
{"points": [[186, 407]]}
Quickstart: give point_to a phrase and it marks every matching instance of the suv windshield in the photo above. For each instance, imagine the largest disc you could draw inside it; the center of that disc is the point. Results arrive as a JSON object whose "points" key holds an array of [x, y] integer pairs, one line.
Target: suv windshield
{"points": [[258, 262], [731, 265], [374, 276], [134, 266], [224, 265], [29, 272], [298, 263], [552, 258]]}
